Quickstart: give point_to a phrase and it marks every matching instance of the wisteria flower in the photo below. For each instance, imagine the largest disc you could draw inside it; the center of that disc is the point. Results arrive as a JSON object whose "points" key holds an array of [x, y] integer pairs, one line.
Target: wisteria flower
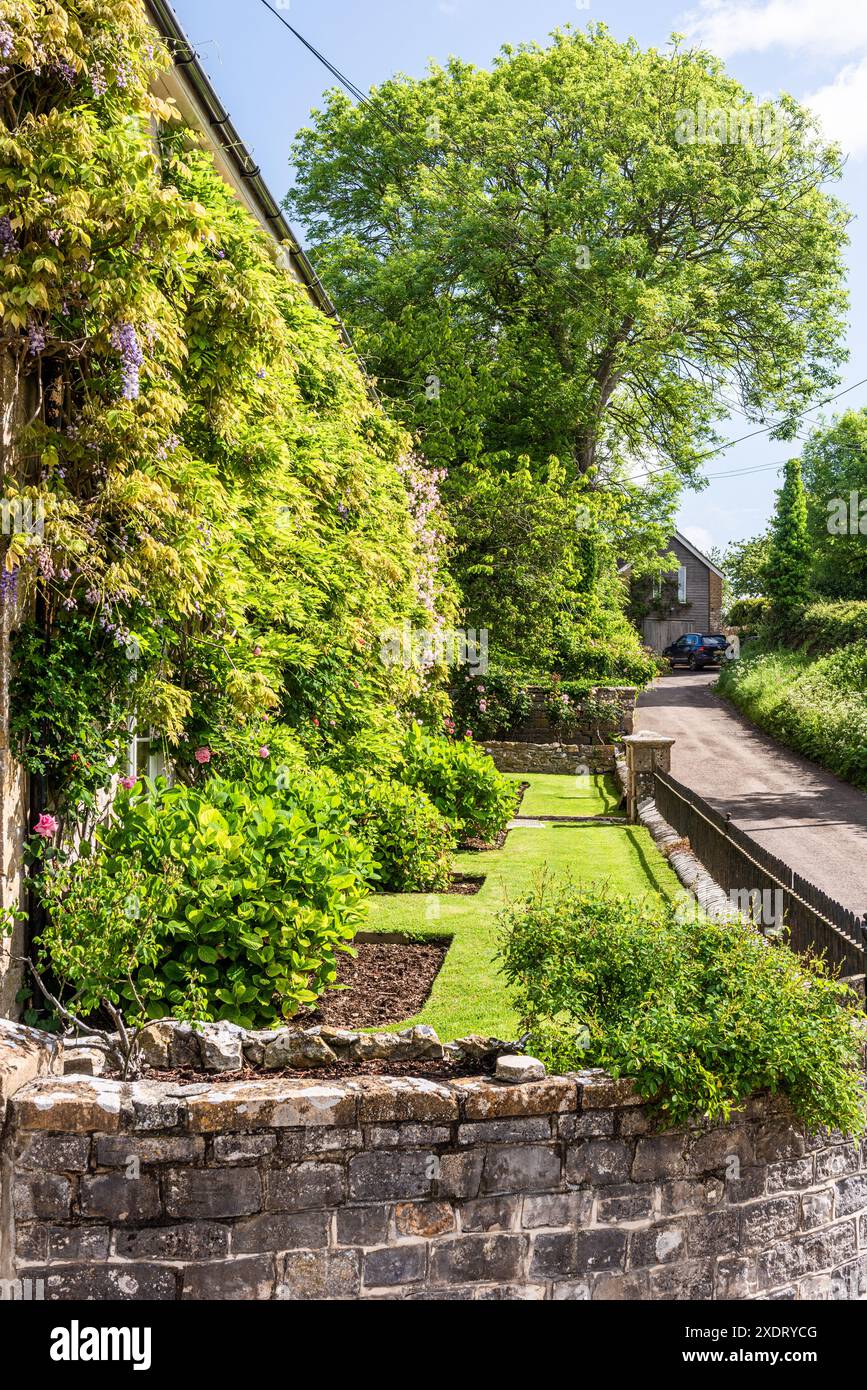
{"points": [[35, 338], [124, 341], [8, 239], [45, 827], [202, 755], [98, 83]]}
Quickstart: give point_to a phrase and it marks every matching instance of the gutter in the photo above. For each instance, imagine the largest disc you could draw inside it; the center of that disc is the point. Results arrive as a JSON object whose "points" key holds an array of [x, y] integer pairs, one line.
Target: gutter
{"points": [[237, 154]]}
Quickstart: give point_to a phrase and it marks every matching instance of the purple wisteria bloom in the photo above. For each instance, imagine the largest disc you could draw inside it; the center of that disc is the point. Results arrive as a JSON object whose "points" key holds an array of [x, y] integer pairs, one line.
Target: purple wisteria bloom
{"points": [[8, 239], [124, 340]]}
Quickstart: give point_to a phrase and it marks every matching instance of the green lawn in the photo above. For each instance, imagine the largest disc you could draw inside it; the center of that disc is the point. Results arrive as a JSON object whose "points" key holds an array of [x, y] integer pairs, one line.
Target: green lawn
{"points": [[468, 995], [561, 795]]}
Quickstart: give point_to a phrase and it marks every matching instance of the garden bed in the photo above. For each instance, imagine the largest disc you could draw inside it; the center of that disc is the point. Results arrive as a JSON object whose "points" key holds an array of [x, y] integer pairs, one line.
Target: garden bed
{"points": [[384, 982]]}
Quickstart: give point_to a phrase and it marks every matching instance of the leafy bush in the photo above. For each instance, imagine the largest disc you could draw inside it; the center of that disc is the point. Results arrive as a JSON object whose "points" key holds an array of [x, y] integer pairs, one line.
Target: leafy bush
{"points": [[262, 892], [461, 781], [571, 705], [101, 928], [701, 1015], [489, 706], [830, 625], [748, 612], [410, 840], [818, 706]]}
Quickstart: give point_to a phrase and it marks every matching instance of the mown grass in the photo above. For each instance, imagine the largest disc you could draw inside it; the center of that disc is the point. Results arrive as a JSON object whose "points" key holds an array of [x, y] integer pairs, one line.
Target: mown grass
{"points": [[469, 994], [557, 795]]}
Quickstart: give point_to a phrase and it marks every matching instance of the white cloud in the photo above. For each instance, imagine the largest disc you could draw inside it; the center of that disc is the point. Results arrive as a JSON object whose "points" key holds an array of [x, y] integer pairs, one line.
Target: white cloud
{"points": [[842, 107], [700, 538], [819, 29], [833, 27]]}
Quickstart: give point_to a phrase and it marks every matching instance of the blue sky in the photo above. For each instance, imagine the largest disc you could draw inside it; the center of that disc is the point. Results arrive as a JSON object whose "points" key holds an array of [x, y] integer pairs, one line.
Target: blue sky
{"points": [[815, 49]]}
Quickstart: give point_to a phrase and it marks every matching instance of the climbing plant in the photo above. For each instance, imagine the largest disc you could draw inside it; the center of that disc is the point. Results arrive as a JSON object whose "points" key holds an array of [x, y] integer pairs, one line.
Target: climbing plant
{"points": [[226, 521]]}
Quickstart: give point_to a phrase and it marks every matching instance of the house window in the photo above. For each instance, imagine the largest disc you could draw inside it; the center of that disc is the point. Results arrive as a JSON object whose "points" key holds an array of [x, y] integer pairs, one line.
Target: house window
{"points": [[681, 584], [146, 756]]}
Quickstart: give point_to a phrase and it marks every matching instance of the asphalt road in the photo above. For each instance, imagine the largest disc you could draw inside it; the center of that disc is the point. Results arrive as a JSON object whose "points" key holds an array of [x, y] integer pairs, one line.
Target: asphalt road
{"points": [[804, 815]]}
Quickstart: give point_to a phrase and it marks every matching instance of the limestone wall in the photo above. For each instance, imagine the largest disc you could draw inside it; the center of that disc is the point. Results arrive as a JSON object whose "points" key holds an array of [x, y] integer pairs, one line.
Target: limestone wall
{"points": [[377, 1188]]}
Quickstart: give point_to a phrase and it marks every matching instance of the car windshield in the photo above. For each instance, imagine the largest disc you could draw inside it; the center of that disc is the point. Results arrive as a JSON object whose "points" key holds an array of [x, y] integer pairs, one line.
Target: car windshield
{"points": [[714, 641]]}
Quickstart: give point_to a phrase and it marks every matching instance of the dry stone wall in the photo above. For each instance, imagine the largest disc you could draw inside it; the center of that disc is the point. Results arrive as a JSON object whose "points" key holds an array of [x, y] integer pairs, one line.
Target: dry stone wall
{"points": [[569, 758], [395, 1188]]}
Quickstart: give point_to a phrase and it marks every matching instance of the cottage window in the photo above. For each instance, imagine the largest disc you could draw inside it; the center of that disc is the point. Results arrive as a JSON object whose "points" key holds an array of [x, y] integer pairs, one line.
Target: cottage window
{"points": [[681, 584]]}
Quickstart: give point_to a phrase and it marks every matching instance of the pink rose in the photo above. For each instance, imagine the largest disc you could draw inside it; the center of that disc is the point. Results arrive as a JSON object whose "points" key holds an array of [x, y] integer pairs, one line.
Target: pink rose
{"points": [[264, 752], [257, 651], [45, 827], [202, 755], [483, 705], [127, 783]]}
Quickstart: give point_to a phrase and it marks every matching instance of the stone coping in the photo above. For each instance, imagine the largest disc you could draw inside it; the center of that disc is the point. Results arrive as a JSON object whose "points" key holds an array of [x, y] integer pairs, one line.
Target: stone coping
{"points": [[77, 1104], [25, 1053], [81, 1104]]}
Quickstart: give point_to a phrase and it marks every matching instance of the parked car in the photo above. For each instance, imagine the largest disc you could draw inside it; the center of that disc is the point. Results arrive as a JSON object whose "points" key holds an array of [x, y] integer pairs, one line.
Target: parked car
{"points": [[697, 650]]}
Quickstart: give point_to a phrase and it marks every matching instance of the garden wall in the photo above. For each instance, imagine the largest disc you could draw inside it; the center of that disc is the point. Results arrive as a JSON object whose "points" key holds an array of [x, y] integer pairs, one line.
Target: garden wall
{"points": [[395, 1188], [537, 727], [569, 758]]}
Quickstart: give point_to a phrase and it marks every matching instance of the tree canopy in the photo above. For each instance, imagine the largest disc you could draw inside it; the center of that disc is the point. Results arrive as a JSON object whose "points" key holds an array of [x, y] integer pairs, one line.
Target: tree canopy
{"points": [[543, 261]]}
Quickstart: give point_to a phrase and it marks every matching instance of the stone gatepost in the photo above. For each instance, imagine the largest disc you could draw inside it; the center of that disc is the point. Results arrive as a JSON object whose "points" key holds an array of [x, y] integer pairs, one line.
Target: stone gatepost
{"points": [[646, 753]]}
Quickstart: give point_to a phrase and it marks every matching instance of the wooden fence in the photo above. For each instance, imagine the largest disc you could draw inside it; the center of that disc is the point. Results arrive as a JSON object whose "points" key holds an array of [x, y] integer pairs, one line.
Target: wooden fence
{"points": [[756, 878]]}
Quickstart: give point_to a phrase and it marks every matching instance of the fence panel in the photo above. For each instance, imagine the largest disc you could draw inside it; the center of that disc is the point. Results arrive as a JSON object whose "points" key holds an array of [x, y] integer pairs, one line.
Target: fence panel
{"points": [[744, 868]]}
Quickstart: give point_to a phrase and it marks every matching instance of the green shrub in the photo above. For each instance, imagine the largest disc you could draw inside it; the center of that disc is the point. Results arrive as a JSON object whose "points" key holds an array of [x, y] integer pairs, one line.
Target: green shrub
{"points": [[571, 705], [102, 914], [489, 706], [262, 891], [818, 706], [461, 781], [830, 625], [701, 1015], [748, 612], [410, 840]]}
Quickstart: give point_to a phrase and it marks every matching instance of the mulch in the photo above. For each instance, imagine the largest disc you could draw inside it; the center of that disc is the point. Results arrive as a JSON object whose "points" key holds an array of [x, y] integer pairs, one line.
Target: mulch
{"points": [[425, 1071], [465, 884], [386, 982]]}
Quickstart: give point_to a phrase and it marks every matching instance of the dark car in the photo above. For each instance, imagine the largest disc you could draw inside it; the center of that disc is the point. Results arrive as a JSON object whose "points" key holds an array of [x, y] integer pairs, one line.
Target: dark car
{"points": [[697, 650]]}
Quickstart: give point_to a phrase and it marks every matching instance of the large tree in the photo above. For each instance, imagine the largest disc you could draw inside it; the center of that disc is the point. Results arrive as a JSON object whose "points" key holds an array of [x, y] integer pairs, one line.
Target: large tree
{"points": [[563, 258], [835, 476]]}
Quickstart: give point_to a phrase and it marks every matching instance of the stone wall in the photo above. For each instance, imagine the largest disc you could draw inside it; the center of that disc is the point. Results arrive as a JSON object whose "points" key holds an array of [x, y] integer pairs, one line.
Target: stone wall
{"points": [[538, 729], [377, 1188], [570, 758]]}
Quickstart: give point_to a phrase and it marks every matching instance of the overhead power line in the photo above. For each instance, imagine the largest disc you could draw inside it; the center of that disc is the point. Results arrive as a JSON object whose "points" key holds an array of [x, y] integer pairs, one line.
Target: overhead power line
{"points": [[360, 96]]}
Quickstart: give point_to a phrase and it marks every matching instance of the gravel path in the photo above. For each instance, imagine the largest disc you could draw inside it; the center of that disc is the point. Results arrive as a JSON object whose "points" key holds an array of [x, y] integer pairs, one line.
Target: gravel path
{"points": [[804, 815]]}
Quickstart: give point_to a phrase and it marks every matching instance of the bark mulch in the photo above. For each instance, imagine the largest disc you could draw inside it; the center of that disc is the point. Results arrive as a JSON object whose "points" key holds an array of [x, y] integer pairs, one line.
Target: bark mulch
{"points": [[425, 1071], [386, 982], [465, 884]]}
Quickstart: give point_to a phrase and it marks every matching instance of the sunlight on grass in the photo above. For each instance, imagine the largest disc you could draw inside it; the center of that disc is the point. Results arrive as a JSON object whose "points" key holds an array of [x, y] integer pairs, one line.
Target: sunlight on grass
{"points": [[468, 995]]}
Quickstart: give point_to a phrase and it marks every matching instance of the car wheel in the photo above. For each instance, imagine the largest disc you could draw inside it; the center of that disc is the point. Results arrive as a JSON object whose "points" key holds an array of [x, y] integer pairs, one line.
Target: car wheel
{"points": [[693, 664]]}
